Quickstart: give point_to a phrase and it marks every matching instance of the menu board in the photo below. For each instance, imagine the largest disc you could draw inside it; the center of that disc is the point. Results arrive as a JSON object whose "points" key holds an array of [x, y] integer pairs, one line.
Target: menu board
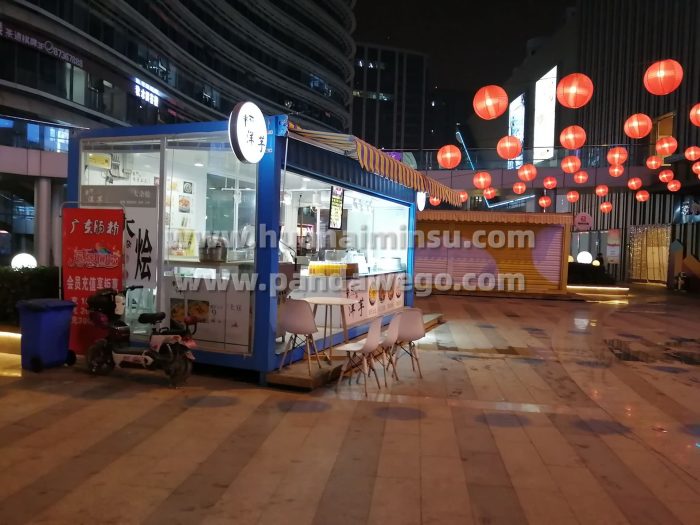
{"points": [[335, 219]]}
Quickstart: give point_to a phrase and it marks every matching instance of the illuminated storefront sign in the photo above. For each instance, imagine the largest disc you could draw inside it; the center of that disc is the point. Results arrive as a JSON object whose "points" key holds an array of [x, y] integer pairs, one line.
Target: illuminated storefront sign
{"points": [[146, 92], [45, 46], [247, 132]]}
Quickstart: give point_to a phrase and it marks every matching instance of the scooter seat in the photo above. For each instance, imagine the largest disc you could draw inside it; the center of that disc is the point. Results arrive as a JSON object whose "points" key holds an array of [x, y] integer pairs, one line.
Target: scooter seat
{"points": [[153, 318]]}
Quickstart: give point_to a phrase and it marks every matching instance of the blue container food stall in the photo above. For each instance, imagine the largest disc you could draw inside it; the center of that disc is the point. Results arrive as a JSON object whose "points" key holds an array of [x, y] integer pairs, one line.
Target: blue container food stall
{"points": [[218, 214]]}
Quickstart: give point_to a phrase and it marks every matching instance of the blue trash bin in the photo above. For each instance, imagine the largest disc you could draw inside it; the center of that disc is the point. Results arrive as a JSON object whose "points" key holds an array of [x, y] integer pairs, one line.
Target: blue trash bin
{"points": [[45, 326]]}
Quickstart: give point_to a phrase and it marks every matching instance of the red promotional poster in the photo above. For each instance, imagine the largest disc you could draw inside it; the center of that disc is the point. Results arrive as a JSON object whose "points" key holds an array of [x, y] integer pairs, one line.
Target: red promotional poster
{"points": [[92, 260]]}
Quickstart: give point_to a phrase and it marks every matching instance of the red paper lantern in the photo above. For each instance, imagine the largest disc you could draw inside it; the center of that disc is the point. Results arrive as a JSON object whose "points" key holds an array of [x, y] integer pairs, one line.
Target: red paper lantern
{"points": [[666, 146], [617, 155], [544, 201], [581, 177], [642, 196], [638, 126], [527, 172], [606, 207], [653, 162], [634, 183], [666, 175], [695, 115], [570, 164], [509, 147], [601, 190], [550, 183], [572, 196], [463, 196], [674, 185], [482, 180], [572, 137], [490, 193], [575, 90], [434, 201], [519, 188], [692, 153], [449, 157], [616, 170], [696, 168], [663, 77], [490, 102]]}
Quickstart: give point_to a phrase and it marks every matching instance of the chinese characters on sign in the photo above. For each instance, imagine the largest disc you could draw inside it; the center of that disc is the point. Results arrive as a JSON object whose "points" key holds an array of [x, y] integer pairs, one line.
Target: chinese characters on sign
{"points": [[92, 260], [335, 220], [247, 132], [45, 46], [141, 246]]}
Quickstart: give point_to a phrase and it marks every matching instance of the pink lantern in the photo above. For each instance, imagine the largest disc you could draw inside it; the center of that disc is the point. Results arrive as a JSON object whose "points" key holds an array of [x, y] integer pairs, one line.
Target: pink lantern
{"points": [[490, 102], [581, 177], [692, 153], [638, 126], [570, 164], [527, 172], [482, 180], [666, 146], [616, 170], [634, 183], [574, 90], [642, 196], [572, 137], [544, 201], [601, 190], [606, 207], [572, 196], [509, 147], [519, 188], [550, 183], [654, 161], [663, 77], [666, 176], [674, 185], [617, 155], [490, 193]]}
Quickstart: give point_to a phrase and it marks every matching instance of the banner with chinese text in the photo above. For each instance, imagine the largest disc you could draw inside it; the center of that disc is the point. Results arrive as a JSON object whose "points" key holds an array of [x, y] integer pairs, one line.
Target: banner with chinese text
{"points": [[92, 260]]}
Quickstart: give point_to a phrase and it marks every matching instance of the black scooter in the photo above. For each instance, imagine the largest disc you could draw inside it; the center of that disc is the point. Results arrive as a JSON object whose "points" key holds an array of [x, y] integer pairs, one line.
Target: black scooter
{"points": [[169, 349]]}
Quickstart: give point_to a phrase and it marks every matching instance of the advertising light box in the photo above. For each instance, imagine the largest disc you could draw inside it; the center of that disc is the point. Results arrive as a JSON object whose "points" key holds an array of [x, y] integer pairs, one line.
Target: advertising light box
{"points": [[545, 108]]}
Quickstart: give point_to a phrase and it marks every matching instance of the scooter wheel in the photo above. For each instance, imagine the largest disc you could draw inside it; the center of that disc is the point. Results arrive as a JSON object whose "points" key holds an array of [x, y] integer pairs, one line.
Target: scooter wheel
{"points": [[179, 370], [99, 358], [71, 358]]}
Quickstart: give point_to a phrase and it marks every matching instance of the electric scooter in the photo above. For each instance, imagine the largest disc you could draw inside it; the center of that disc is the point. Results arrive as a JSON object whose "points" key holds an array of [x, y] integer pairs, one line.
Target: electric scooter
{"points": [[169, 349]]}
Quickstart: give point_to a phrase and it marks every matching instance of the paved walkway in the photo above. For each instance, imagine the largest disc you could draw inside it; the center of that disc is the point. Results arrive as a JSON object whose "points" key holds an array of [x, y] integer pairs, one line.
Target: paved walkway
{"points": [[529, 412]]}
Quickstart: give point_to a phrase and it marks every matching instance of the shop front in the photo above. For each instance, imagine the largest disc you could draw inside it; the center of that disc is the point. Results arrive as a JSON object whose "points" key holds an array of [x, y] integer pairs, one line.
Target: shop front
{"points": [[227, 240]]}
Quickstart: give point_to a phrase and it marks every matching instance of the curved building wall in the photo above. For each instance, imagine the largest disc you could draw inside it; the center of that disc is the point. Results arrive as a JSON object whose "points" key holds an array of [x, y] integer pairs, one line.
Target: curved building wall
{"points": [[142, 62]]}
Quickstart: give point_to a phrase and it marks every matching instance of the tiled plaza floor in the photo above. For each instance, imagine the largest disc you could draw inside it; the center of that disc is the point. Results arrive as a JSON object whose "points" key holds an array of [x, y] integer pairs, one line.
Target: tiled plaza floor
{"points": [[533, 412]]}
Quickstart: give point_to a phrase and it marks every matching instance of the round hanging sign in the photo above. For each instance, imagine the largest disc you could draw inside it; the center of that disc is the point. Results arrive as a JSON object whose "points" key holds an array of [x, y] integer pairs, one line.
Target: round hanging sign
{"points": [[583, 222], [247, 132]]}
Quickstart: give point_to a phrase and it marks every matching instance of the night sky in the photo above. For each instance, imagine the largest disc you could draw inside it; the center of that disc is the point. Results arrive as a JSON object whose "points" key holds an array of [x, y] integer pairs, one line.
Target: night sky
{"points": [[470, 42]]}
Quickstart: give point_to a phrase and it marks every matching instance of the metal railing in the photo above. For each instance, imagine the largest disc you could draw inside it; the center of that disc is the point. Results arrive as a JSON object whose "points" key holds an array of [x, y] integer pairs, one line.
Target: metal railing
{"points": [[594, 156]]}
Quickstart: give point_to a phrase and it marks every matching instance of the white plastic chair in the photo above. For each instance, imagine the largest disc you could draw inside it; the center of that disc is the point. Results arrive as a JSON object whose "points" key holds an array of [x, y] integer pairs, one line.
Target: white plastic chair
{"points": [[361, 355], [411, 329], [296, 318], [387, 345]]}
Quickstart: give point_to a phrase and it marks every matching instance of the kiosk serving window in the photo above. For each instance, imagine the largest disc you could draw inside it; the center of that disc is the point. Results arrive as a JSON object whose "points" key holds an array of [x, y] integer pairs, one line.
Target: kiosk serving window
{"points": [[370, 232]]}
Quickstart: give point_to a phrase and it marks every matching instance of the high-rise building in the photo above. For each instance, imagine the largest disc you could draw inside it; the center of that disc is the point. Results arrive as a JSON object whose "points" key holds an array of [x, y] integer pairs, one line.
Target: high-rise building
{"points": [[95, 63], [389, 97]]}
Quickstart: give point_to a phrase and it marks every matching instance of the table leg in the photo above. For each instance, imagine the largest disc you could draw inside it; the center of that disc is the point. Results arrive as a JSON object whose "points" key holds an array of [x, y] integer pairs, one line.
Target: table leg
{"points": [[325, 325], [330, 328], [344, 320]]}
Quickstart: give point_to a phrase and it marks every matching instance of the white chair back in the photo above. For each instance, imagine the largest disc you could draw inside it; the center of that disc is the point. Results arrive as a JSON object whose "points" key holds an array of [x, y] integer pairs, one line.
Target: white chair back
{"points": [[392, 333], [411, 327], [296, 317], [374, 336]]}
